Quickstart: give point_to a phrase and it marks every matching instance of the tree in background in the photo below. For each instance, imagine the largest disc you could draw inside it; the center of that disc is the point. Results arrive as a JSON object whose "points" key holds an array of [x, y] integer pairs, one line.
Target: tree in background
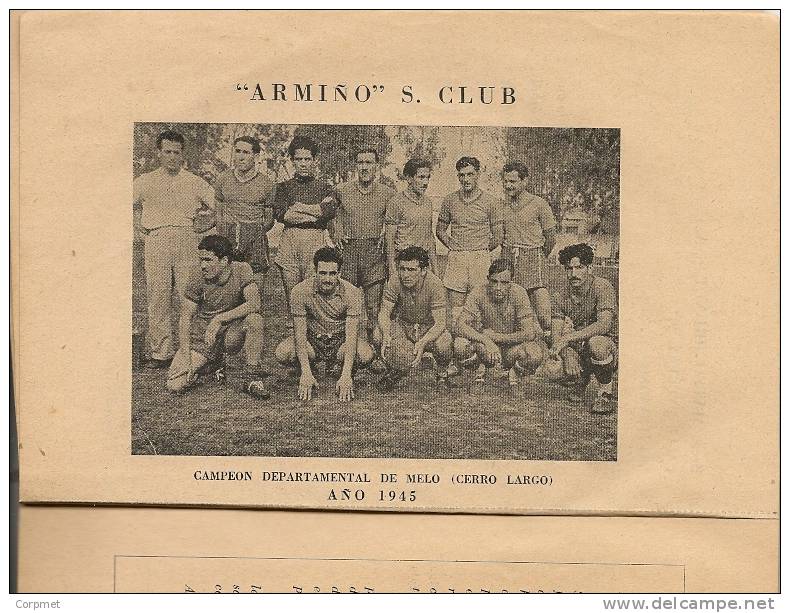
{"points": [[573, 168]]}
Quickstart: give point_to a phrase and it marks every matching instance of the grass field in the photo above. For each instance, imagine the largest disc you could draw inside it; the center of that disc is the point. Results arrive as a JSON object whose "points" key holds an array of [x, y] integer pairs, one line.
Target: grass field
{"points": [[413, 421]]}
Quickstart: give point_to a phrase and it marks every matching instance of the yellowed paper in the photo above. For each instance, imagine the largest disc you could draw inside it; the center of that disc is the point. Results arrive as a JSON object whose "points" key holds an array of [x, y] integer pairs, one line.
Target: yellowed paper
{"points": [[695, 431], [189, 550]]}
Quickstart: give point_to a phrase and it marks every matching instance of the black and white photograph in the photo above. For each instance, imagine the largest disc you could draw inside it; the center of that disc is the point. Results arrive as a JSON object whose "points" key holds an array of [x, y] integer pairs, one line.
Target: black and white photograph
{"points": [[375, 291]]}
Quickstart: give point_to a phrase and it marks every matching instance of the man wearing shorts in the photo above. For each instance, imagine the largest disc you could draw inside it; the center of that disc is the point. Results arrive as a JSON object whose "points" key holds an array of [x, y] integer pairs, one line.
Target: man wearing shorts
{"points": [[583, 327], [170, 197], [417, 299], [474, 220], [359, 231], [409, 215], [530, 234], [327, 311], [497, 326], [305, 206], [220, 313], [242, 215]]}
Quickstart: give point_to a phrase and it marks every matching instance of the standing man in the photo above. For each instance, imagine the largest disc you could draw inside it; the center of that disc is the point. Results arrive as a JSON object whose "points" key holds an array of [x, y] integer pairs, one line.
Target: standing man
{"points": [[530, 234], [583, 327], [474, 220], [220, 313], [326, 311], [497, 326], [242, 215], [417, 298], [409, 216], [359, 231], [304, 205], [170, 197]]}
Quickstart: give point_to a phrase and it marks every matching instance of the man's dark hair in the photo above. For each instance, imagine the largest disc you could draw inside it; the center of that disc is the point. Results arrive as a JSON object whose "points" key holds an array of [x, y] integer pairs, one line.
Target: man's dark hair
{"points": [[583, 251], [500, 265], [328, 254], [519, 167], [414, 254], [358, 152], [172, 136], [218, 245], [412, 167], [302, 142], [250, 140], [467, 161]]}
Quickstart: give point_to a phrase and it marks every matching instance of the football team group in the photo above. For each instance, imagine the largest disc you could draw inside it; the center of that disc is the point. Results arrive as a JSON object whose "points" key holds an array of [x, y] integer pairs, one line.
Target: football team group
{"points": [[375, 299]]}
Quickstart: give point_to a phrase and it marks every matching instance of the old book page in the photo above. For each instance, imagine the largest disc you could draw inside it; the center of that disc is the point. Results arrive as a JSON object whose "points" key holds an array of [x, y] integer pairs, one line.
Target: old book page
{"points": [[243, 551], [649, 138]]}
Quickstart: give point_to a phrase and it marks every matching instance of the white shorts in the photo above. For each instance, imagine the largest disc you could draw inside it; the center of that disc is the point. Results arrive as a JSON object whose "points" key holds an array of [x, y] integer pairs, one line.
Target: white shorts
{"points": [[466, 269]]}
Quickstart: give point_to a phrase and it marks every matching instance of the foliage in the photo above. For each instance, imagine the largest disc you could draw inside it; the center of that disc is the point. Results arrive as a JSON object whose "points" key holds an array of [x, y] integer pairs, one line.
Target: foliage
{"points": [[573, 168]]}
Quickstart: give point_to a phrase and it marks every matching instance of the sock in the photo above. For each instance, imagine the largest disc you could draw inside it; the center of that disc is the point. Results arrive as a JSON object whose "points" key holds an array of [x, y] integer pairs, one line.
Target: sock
{"points": [[606, 388]]}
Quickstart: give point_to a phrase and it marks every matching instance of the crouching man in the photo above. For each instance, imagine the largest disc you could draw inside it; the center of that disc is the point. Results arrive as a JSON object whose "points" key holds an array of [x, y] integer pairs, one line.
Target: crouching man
{"points": [[326, 311], [220, 313], [583, 327], [418, 300], [497, 326]]}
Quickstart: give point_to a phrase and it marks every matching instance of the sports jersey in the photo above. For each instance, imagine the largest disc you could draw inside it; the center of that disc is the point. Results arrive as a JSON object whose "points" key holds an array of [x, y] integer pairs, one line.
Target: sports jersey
{"points": [[501, 317], [413, 221], [361, 214], [415, 307], [471, 221], [307, 190], [526, 220], [326, 314], [220, 295], [596, 296]]}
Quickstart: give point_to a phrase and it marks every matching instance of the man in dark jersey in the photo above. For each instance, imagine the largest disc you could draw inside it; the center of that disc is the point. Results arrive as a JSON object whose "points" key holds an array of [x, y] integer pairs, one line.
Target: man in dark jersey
{"points": [[583, 326], [304, 205], [220, 313]]}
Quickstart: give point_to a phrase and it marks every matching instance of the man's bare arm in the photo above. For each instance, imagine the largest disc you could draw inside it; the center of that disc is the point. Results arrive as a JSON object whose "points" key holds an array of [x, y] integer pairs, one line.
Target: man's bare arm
{"points": [[439, 325], [550, 235], [466, 330], [389, 237], [497, 235], [385, 323], [601, 326], [441, 233], [352, 332], [300, 340]]}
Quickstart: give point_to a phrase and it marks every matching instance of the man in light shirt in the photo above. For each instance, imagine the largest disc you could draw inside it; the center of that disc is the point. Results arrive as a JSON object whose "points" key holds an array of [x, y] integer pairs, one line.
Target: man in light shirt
{"points": [[530, 234], [409, 216], [470, 226], [170, 197]]}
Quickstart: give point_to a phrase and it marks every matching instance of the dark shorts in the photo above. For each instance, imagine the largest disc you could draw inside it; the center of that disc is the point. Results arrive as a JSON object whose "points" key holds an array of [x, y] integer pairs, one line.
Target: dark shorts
{"points": [[582, 348], [363, 262], [326, 346], [530, 267], [250, 243]]}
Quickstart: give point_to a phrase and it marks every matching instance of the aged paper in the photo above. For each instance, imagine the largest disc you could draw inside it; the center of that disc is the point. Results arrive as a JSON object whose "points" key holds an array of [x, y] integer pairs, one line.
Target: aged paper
{"points": [[243, 551], [695, 430]]}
